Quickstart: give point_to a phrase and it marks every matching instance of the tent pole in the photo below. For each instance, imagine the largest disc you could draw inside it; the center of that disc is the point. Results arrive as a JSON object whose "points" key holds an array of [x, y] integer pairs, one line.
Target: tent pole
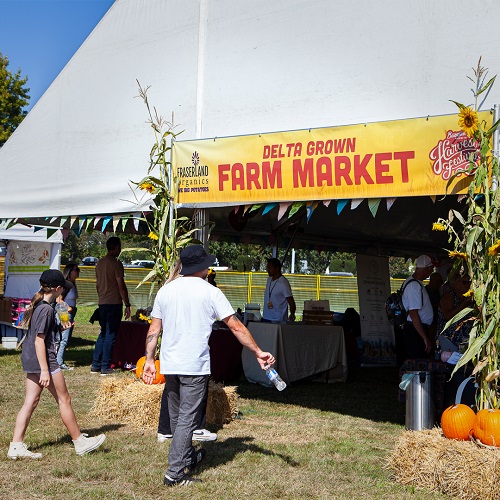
{"points": [[171, 187], [496, 142]]}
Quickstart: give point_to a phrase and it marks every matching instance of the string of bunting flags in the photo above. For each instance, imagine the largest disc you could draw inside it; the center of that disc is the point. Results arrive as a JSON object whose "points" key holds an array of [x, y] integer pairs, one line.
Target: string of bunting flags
{"points": [[119, 222], [310, 206], [78, 223]]}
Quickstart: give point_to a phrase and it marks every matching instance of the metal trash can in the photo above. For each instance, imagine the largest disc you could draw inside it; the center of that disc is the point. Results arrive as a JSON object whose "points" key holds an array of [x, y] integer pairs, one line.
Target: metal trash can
{"points": [[420, 409]]}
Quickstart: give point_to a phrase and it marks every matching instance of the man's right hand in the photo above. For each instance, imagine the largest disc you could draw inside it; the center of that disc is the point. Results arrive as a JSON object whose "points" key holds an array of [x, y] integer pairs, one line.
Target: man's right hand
{"points": [[149, 372]]}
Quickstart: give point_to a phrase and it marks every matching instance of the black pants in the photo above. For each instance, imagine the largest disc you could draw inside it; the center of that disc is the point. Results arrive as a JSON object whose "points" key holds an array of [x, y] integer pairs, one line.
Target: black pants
{"points": [[414, 343]]}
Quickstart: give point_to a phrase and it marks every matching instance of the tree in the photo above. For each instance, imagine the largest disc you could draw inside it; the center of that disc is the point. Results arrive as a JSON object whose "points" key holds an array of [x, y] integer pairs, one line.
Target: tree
{"points": [[13, 98]]}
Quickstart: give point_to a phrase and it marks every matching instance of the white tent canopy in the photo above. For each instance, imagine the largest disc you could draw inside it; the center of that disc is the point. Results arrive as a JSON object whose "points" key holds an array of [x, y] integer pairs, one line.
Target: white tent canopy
{"points": [[231, 68]]}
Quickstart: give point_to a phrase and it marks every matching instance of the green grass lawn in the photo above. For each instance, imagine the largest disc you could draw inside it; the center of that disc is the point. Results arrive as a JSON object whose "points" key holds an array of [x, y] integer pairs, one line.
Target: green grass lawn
{"points": [[312, 440]]}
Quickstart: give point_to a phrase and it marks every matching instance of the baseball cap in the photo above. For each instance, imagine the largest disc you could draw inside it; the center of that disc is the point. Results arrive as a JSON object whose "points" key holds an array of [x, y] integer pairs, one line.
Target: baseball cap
{"points": [[54, 278], [424, 261]]}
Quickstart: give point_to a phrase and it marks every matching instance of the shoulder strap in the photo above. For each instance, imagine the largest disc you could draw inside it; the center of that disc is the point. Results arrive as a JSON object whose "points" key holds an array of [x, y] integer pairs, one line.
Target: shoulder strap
{"points": [[404, 285]]}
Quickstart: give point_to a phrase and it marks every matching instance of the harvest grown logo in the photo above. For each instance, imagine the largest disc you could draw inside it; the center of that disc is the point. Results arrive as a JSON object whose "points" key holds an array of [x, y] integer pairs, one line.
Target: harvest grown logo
{"points": [[193, 178], [452, 154]]}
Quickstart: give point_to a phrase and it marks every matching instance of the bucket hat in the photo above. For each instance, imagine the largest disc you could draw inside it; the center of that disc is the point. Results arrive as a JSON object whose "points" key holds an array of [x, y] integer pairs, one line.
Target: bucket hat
{"points": [[194, 259]]}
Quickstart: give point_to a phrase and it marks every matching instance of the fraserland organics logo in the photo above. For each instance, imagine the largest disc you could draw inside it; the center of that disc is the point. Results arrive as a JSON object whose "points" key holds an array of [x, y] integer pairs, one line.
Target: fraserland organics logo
{"points": [[194, 178], [453, 153]]}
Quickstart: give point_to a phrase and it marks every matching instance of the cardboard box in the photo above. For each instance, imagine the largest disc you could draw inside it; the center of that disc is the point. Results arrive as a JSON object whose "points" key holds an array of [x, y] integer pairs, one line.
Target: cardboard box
{"points": [[6, 310]]}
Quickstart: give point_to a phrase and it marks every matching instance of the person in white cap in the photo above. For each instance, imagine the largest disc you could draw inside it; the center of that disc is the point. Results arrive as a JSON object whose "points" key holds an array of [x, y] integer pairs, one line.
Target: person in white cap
{"points": [[416, 330]]}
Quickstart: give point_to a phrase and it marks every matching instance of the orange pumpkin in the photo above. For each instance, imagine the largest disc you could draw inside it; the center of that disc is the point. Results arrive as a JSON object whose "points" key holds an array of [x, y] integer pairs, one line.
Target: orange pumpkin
{"points": [[139, 368], [487, 427], [457, 422]]}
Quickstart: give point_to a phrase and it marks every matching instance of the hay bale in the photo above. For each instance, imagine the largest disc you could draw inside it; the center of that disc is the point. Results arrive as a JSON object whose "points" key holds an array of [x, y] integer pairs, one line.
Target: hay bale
{"points": [[461, 469], [130, 401], [221, 404]]}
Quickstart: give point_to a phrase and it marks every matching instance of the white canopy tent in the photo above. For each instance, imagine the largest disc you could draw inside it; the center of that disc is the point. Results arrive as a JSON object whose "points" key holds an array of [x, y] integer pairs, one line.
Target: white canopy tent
{"points": [[232, 68]]}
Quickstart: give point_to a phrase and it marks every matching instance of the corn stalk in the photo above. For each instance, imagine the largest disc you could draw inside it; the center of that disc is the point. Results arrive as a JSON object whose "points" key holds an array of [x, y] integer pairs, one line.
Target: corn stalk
{"points": [[169, 233], [476, 239]]}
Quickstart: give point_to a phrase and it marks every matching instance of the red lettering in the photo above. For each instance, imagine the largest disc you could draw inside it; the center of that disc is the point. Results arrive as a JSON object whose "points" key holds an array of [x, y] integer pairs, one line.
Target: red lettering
{"points": [[342, 170], [223, 176], [303, 176], [326, 174], [404, 156], [339, 145], [381, 168], [253, 171], [238, 177], [271, 177], [360, 171], [276, 151]]}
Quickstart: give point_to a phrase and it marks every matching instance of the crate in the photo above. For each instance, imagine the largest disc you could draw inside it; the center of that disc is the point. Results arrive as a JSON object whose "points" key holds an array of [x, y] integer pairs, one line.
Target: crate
{"points": [[323, 318], [9, 342]]}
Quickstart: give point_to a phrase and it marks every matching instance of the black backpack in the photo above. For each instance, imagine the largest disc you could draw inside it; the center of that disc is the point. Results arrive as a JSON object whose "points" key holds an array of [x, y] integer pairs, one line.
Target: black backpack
{"points": [[394, 308]]}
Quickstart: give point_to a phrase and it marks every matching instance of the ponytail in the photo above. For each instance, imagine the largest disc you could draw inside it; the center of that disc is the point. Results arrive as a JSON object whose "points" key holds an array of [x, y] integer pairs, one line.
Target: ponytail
{"points": [[37, 298]]}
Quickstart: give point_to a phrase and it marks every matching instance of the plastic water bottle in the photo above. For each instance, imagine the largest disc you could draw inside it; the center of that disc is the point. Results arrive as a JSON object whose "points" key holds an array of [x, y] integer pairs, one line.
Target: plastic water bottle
{"points": [[273, 376]]}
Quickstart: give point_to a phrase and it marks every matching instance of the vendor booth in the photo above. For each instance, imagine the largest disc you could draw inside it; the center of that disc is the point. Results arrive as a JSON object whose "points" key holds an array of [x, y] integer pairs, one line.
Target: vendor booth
{"points": [[370, 136], [29, 253]]}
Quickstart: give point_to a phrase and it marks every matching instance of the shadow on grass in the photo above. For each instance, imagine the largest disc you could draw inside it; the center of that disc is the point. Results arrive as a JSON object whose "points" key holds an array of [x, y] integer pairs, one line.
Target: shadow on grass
{"points": [[229, 448], [90, 432], [370, 393], [10, 352]]}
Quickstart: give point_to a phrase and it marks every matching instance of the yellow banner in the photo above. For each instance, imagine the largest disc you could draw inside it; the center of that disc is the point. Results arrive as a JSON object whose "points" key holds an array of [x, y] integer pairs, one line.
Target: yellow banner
{"points": [[413, 157]]}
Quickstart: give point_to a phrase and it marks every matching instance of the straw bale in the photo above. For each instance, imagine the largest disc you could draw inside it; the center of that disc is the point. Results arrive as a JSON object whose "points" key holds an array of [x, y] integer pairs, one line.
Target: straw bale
{"points": [[130, 401], [461, 469]]}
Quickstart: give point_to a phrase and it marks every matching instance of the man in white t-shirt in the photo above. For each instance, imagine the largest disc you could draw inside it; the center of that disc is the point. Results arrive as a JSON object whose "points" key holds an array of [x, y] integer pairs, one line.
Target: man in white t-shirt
{"points": [[185, 309], [278, 295], [416, 330]]}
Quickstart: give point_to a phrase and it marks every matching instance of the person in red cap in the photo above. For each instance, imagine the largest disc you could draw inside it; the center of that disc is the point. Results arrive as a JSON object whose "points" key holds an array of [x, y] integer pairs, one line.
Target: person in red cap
{"points": [[39, 360], [185, 309], [416, 330]]}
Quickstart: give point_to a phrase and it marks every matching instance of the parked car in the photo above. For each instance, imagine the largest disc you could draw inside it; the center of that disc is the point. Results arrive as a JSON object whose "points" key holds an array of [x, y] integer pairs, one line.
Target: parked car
{"points": [[143, 263], [89, 261]]}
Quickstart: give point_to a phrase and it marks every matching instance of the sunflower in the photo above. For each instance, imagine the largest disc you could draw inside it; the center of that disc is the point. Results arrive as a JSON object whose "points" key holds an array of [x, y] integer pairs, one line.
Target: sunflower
{"points": [[152, 235], [470, 293], [437, 226], [494, 250], [468, 121], [147, 186], [457, 255]]}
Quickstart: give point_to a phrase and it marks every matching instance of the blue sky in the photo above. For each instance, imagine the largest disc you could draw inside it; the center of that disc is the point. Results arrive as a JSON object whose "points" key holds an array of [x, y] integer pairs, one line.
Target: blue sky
{"points": [[41, 36]]}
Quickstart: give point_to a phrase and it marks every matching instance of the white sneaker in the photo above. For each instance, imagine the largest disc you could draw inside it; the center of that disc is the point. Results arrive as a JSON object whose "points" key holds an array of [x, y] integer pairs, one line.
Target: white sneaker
{"points": [[204, 435], [84, 444], [20, 450], [164, 437]]}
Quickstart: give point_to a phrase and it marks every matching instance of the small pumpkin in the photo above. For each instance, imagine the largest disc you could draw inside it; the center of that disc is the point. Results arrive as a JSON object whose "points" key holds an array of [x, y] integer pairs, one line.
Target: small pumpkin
{"points": [[457, 422], [139, 368], [487, 427]]}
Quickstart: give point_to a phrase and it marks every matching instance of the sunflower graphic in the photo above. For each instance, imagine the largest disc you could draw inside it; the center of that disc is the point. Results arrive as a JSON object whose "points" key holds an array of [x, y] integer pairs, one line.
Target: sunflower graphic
{"points": [[195, 159], [468, 121]]}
